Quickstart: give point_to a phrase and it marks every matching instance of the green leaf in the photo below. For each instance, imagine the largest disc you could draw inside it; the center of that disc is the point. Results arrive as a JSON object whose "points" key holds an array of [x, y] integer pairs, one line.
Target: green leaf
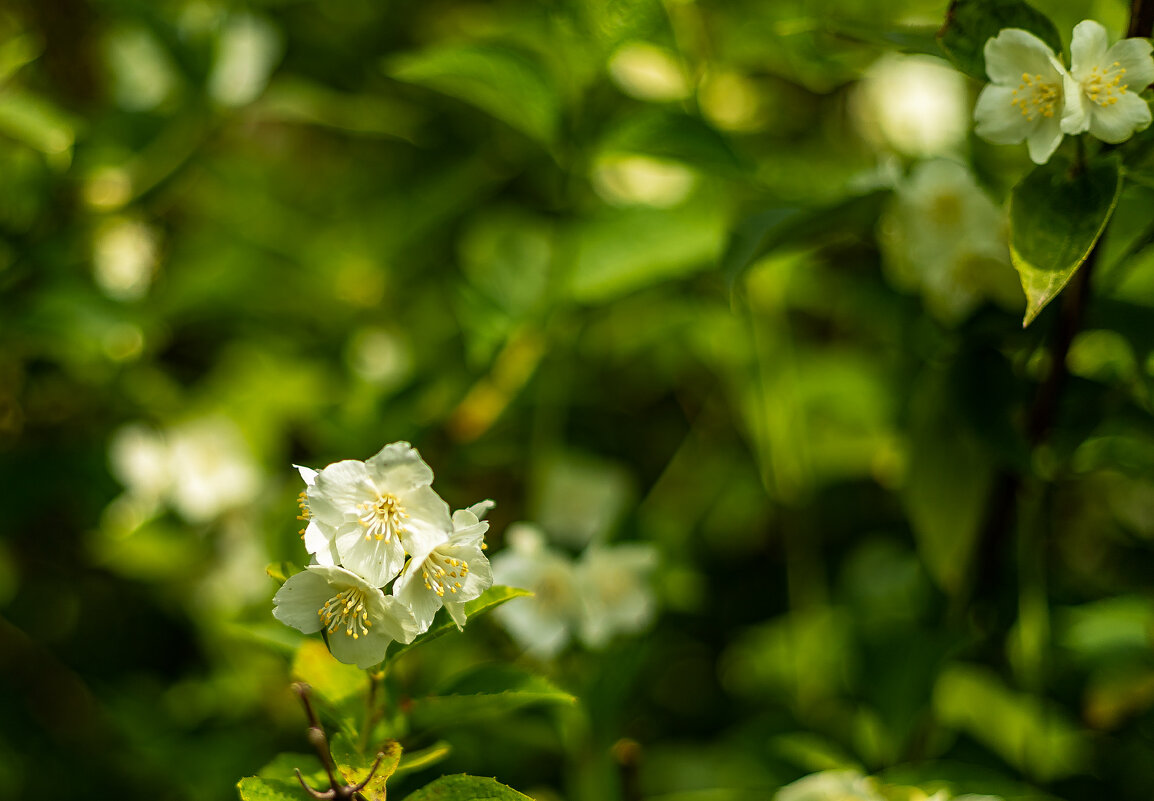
{"points": [[253, 788], [424, 758], [333, 680], [676, 135], [1057, 214], [354, 766], [36, 123], [282, 767], [971, 23], [489, 599], [505, 82], [488, 691], [466, 788], [760, 235]]}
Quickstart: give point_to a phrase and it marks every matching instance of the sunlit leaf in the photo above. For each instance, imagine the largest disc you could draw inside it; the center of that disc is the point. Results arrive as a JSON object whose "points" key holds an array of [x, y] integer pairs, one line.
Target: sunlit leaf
{"points": [[257, 789], [334, 680], [354, 766], [1057, 214], [970, 23], [423, 758]]}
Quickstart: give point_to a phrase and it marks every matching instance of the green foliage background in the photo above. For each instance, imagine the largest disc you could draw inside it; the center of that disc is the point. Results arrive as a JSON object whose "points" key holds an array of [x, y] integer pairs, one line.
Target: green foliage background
{"points": [[401, 222]]}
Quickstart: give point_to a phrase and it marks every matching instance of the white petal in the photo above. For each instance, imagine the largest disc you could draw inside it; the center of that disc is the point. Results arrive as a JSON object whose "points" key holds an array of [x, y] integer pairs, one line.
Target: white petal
{"points": [[364, 652], [457, 612], [479, 510], [1077, 109], [307, 473], [428, 523], [299, 599], [1014, 51], [398, 468], [1087, 48], [377, 561], [1118, 122], [422, 602], [466, 533], [345, 484], [320, 544], [998, 120], [1133, 55], [1044, 139]]}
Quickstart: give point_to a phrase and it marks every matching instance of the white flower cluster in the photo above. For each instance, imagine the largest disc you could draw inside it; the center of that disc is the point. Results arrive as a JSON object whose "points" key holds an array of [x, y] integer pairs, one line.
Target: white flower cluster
{"points": [[603, 593], [372, 524], [1033, 97]]}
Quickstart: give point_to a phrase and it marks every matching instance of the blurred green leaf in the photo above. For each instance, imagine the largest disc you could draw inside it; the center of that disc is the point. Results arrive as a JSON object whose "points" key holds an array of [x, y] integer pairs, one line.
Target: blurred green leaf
{"points": [[280, 571], [333, 680], [443, 624], [1027, 732], [676, 135], [759, 235], [487, 691], [282, 767], [36, 122], [508, 83], [354, 766], [466, 788], [1057, 214], [627, 249], [970, 23], [16, 52]]}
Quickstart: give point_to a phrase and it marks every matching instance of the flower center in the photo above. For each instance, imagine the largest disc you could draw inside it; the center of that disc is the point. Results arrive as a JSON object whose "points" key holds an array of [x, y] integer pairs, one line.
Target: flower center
{"points": [[346, 610], [443, 573], [1105, 85], [1035, 97], [383, 518]]}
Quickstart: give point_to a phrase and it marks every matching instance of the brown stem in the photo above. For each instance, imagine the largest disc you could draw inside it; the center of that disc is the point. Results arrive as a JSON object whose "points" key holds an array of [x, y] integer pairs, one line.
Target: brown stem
{"points": [[1141, 18]]}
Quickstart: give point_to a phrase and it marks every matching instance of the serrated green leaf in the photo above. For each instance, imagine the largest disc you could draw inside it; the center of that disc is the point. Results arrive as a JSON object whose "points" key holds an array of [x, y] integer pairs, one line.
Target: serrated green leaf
{"points": [[354, 766], [335, 681], [1057, 214], [253, 788], [971, 23], [462, 787], [507, 83], [424, 758], [484, 692], [490, 599]]}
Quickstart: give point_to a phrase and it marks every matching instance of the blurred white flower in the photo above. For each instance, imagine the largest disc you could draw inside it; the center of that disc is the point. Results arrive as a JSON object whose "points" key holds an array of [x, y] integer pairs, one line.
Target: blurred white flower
{"points": [[124, 257], [581, 497], [1024, 99], [830, 785], [210, 468], [377, 511], [248, 49], [452, 573], [915, 104], [634, 180], [648, 72], [1103, 85], [360, 621], [615, 591], [542, 625], [200, 468], [946, 239]]}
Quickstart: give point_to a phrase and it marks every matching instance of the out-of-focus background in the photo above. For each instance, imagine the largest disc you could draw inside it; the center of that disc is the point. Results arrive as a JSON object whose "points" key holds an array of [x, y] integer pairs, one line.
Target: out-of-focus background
{"points": [[524, 237]]}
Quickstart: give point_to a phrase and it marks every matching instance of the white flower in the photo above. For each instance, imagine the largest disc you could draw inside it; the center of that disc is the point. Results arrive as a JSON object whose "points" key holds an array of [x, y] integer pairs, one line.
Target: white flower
{"points": [[615, 592], [320, 545], [1103, 85], [542, 625], [1024, 98], [830, 785], [359, 619], [945, 238], [917, 105], [377, 511], [453, 572]]}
